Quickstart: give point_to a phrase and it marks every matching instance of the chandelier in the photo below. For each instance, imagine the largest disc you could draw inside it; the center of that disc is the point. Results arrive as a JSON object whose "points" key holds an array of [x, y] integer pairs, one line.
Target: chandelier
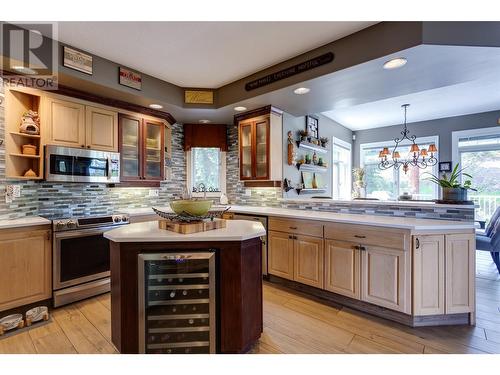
{"points": [[421, 158]]}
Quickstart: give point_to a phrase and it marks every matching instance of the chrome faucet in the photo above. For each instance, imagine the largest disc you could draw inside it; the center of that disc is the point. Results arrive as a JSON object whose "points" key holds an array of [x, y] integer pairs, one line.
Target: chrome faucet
{"points": [[200, 186]]}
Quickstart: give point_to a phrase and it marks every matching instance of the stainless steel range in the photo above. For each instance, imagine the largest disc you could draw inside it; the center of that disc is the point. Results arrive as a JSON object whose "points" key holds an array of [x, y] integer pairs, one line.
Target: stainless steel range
{"points": [[81, 257]]}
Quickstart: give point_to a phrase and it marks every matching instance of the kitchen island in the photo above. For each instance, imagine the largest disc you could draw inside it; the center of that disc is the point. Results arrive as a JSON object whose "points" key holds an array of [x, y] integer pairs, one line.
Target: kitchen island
{"points": [[238, 282]]}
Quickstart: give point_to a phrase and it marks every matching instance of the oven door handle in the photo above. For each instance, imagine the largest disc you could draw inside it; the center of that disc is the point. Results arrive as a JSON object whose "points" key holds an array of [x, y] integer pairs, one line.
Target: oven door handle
{"points": [[81, 232]]}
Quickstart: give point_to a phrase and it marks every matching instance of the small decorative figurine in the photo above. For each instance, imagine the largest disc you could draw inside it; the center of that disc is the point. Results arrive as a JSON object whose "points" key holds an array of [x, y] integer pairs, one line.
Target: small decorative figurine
{"points": [[323, 141], [315, 158], [291, 152], [320, 161], [30, 123], [308, 159]]}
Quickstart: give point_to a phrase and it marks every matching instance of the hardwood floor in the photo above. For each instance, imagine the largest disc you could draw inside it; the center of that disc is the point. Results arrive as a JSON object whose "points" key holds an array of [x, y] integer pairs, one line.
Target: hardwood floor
{"points": [[292, 324]]}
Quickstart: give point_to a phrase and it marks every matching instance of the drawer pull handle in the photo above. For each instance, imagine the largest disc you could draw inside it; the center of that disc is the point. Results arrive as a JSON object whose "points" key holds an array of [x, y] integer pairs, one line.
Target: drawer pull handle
{"points": [[359, 236], [417, 243], [293, 228], [362, 248]]}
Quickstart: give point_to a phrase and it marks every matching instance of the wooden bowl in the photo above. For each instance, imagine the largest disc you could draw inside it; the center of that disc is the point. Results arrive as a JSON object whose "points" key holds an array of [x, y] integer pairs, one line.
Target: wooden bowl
{"points": [[29, 150]]}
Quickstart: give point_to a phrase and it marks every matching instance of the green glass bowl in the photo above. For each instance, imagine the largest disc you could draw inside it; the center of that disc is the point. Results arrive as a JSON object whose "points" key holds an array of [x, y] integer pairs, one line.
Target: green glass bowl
{"points": [[192, 207]]}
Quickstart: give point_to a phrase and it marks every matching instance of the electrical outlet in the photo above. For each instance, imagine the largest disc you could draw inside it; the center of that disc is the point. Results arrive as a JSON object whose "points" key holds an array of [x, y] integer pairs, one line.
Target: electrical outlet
{"points": [[248, 192], [153, 192]]}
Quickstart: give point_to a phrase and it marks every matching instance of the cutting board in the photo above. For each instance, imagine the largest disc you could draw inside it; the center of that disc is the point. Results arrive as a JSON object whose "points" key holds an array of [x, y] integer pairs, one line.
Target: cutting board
{"points": [[194, 227]]}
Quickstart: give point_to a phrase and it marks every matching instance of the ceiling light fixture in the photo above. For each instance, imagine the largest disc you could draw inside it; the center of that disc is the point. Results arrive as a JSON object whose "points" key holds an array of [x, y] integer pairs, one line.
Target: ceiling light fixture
{"points": [[204, 121], [24, 70], [240, 108], [301, 90], [155, 106], [416, 157], [398, 62]]}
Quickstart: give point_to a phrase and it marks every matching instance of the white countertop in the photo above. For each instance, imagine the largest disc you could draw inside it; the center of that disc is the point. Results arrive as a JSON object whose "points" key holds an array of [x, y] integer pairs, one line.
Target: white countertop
{"points": [[413, 224], [23, 222], [236, 230], [408, 203]]}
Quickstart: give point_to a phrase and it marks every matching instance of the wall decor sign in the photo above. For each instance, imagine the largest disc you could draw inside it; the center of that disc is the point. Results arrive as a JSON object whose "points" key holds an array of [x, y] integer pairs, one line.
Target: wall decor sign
{"points": [[312, 125], [445, 166], [130, 78], [291, 71], [198, 97], [77, 60]]}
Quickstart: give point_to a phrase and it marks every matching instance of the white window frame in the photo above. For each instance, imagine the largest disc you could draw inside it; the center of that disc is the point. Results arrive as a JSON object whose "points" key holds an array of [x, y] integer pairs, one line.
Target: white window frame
{"points": [[456, 135], [348, 146], [222, 176], [390, 143]]}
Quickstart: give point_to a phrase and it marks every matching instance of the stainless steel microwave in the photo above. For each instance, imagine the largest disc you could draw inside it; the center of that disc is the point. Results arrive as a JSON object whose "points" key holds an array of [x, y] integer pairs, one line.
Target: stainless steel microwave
{"points": [[68, 164]]}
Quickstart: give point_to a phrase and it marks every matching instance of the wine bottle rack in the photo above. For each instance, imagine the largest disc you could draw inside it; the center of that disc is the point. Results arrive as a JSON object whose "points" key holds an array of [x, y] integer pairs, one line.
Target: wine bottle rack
{"points": [[177, 303]]}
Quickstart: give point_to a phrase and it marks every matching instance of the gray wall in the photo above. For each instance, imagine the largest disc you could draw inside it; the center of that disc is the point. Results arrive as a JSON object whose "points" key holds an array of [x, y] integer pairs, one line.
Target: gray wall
{"points": [[441, 127], [327, 128]]}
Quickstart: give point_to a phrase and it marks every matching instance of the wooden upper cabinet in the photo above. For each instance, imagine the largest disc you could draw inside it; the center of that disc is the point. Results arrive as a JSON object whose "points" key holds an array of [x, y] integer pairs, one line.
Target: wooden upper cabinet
{"points": [[77, 125], [66, 123], [428, 275], [142, 151], [308, 260], [260, 134], [281, 256], [101, 129], [25, 267], [342, 268], [386, 277]]}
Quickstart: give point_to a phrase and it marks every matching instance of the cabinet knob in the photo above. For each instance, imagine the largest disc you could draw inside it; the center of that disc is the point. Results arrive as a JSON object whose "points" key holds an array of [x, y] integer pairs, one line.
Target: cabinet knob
{"points": [[82, 145], [88, 146]]}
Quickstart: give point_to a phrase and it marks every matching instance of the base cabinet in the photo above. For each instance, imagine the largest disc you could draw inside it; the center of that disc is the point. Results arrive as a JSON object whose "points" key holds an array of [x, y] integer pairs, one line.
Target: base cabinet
{"points": [[25, 267], [385, 277], [342, 268], [428, 275], [280, 257]]}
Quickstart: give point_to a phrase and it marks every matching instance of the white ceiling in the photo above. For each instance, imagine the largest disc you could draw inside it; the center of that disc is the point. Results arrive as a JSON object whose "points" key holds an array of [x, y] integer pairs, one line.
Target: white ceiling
{"points": [[201, 54]]}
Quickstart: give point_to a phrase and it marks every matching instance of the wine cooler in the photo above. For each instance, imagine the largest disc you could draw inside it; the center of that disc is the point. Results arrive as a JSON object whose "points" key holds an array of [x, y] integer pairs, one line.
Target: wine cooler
{"points": [[177, 303]]}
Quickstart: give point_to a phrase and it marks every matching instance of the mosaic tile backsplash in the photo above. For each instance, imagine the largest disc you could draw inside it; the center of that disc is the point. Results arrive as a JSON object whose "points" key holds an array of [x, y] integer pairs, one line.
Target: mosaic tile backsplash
{"points": [[54, 199]]}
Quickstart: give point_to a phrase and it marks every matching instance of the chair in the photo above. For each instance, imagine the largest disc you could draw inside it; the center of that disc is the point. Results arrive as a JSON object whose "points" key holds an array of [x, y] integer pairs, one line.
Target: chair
{"points": [[490, 240]]}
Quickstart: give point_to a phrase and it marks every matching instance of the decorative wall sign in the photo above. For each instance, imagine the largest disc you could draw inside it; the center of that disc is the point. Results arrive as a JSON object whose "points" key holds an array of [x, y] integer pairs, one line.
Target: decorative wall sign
{"points": [[312, 125], [198, 97], [445, 166], [77, 60], [130, 78], [291, 71]]}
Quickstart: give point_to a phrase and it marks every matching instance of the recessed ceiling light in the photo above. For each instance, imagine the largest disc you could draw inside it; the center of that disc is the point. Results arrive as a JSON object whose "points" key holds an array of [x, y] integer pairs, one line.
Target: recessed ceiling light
{"points": [[398, 62], [301, 90], [24, 70], [155, 106], [240, 108], [204, 121]]}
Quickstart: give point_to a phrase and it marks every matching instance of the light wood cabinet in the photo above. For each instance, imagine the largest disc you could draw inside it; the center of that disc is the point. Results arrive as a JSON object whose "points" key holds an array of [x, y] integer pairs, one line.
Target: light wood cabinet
{"points": [[280, 256], [308, 260], [25, 266], [66, 123], [428, 275], [342, 268], [101, 126], [74, 124], [460, 273], [385, 277]]}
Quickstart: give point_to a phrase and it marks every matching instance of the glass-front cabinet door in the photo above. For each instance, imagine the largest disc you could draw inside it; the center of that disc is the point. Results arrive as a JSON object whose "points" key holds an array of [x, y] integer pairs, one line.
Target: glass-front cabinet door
{"points": [[254, 149], [130, 147], [153, 143]]}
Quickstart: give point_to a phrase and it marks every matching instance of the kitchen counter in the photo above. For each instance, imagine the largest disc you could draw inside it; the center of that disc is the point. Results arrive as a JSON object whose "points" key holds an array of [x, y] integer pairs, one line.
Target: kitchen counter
{"points": [[406, 203], [372, 220], [27, 221], [236, 230]]}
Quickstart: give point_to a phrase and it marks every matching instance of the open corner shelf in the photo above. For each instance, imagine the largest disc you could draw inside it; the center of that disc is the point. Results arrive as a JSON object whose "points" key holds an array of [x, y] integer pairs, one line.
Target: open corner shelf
{"points": [[311, 167], [312, 146], [26, 156], [310, 191], [25, 135]]}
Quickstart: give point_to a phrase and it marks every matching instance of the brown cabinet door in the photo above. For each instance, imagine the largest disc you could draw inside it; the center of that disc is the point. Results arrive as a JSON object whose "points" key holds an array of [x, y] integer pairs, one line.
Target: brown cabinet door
{"points": [[342, 268], [428, 275], [460, 273], [101, 129], [385, 278], [280, 254], [308, 260], [66, 123], [153, 151], [25, 267], [254, 137], [130, 146]]}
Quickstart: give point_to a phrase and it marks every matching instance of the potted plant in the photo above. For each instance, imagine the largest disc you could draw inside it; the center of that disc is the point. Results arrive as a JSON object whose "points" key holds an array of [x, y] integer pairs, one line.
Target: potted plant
{"points": [[453, 190], [308, 159], [303, 135], [323, 141]]}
